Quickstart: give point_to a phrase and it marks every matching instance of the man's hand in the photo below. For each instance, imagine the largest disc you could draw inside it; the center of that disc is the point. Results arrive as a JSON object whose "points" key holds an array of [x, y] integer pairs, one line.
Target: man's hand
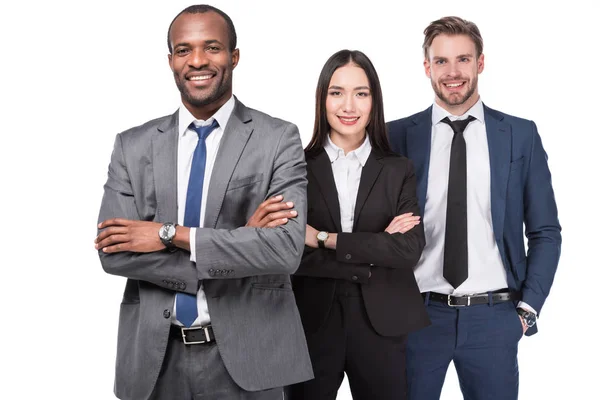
{"points": [[525, 327], [121, 234], [403, 223], [272, 213]]}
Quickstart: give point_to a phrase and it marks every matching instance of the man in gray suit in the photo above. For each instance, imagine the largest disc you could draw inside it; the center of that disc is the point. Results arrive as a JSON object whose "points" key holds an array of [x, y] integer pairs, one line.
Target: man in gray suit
{"points": [[208, 311]]}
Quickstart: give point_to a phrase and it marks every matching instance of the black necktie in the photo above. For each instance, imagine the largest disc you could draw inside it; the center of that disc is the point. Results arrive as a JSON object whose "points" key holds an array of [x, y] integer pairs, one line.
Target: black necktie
{"points": [[456, 261]]}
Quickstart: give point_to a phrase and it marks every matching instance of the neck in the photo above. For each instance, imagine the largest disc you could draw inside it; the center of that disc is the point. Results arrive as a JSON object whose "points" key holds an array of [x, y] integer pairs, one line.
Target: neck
{"points": [[346, 142], [458, 109], [206, 111]]}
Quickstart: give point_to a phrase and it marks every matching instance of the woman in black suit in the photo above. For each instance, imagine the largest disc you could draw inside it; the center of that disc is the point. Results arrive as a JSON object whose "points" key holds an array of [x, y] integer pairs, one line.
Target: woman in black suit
{"points": [[355, 287]]}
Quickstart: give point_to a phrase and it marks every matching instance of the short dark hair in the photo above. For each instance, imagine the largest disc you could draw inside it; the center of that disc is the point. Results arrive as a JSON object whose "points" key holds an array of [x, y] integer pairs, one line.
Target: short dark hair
{"points": [[201, 9], [452, 26], [376, 128]]}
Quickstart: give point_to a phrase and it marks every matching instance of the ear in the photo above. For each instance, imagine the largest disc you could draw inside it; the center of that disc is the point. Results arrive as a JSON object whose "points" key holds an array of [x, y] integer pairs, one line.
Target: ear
{"points": [[235, 57], [427, 67], [480, 63], [170, 56]]}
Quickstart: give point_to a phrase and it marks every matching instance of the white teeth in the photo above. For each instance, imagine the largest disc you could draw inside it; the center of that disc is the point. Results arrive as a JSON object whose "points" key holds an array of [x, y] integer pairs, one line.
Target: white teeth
{"points": [[349, 119], [453, 85], [200, 78]]}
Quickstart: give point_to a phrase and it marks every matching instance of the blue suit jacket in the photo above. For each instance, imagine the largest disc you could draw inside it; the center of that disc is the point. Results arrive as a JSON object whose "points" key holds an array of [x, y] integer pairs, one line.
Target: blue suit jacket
{"points": [[521, 193]]}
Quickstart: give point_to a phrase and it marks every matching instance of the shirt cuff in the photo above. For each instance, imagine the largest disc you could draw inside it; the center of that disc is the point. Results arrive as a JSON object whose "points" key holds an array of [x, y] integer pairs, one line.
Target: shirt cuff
{"points": [[193, 245], [526, 307]]}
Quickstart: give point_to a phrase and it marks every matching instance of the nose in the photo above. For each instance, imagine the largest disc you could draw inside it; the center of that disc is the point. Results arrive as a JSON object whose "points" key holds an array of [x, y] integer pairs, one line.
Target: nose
{"points": [[197, 59], [348, 105], [453, 69]]}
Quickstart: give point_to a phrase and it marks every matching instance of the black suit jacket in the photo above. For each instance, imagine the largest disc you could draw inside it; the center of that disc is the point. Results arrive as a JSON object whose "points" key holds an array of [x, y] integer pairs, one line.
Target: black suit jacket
{"points": [[381, 262]]}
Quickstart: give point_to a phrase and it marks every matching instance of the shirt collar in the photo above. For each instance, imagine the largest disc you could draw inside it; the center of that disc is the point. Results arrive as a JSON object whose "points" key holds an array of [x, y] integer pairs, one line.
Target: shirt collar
{"points": [[438, 113], [362, 153], [222, 116]]}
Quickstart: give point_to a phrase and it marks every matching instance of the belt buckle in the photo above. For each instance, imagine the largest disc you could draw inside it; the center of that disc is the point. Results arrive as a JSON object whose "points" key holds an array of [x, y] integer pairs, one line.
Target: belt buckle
{"points": [[459, 305], [206, 334]]}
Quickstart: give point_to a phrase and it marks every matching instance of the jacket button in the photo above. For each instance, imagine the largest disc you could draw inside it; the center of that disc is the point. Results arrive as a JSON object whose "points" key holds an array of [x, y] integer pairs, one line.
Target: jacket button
{"points": [[211, 272], [182, 285], [167, 314], [354, 277], [348, 256]]}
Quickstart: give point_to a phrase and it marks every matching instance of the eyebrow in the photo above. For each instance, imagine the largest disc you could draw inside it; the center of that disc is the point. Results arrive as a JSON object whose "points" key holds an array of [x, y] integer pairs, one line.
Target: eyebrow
{"points": [[186, 44], [356, 88]]}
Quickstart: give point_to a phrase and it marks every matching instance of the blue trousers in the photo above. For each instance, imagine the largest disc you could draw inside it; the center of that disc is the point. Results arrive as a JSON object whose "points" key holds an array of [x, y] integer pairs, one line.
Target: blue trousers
{"points": [[482, 340]]}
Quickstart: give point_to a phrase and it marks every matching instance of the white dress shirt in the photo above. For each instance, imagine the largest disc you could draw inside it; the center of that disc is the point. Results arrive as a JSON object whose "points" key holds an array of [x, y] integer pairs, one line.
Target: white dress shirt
{"points": [[486, 271], [188, 139], [347, 169]]}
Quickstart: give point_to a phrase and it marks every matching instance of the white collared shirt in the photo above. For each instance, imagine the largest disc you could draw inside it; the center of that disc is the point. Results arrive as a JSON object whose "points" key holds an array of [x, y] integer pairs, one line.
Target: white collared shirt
{"points": [[188, 139], [486, 270], [347, 170]]}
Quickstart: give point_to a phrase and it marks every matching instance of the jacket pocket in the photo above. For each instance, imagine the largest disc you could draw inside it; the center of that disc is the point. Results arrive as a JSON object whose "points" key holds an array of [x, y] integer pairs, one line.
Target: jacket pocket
{"points": [[280, 286], [517, 164], [246, 181]]}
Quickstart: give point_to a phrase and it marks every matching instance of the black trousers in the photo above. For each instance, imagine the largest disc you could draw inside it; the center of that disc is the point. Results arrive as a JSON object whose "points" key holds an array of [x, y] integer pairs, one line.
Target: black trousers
{"points": [[375, 365]]}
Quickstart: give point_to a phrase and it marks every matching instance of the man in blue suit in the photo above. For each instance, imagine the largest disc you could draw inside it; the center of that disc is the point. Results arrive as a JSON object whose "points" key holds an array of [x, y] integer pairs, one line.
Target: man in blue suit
{"points": [[482, 177]]}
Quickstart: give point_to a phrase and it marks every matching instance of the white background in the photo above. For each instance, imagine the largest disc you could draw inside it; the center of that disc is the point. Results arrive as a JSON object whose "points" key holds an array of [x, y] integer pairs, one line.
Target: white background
{"points": [[73, 74]]}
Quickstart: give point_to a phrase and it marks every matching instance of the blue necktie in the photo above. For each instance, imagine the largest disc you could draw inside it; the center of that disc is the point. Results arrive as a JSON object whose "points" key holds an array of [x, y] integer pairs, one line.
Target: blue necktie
{"points": [[187, 310]]}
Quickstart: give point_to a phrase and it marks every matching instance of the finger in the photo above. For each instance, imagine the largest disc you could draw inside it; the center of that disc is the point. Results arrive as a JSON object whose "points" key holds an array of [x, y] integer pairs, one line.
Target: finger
{"points": [[112, 240], [405, 217], [110, 231], [269, 205], [114, 222], [402, 226], [281, 214], [408, 227], [279, 206], [116, 248], [271, 200], [277, 222], [277, 215]]}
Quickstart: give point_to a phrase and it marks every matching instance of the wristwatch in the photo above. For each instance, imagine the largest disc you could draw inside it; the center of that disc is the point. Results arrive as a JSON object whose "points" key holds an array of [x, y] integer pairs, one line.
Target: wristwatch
{"points": [[166, 233], [321, 238], [527, 316]]}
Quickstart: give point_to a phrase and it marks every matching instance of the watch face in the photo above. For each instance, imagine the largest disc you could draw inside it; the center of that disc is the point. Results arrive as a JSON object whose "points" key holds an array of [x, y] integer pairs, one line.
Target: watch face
{"points": [[322, 236], [530, 320], [167, 231], [171, 231]]}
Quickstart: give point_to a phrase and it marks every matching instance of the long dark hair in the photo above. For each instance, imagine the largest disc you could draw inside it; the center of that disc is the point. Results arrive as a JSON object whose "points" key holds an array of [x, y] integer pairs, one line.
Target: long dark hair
{"points": [[376, 128]]}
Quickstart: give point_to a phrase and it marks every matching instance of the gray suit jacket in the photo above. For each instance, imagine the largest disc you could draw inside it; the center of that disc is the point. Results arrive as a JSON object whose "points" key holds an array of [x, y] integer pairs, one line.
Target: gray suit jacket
{"points": [[245, 270]]}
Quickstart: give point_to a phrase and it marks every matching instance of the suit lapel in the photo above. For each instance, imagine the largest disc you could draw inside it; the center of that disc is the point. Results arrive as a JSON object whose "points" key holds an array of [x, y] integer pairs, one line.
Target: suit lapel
{"points": [[236, 135], [368, 176], [164, 153], [320, 168], [499, 146], [418, 146]]}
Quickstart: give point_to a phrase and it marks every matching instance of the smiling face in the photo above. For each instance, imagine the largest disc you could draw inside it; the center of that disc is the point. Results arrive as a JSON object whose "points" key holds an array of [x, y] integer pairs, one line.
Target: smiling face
{"points": [[201, 62], [453, 67], [348, 104]]}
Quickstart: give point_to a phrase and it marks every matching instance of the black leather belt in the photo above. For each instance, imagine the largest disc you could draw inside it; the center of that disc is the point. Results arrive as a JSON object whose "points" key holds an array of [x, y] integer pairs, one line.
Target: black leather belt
{"points": [[471, 300], [193, 335]]}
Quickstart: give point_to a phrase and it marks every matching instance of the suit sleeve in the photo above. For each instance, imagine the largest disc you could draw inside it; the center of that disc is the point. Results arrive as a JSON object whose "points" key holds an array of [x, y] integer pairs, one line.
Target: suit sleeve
{"points": [[171, 270], [258, 251], [383, 249], [541, 227]]}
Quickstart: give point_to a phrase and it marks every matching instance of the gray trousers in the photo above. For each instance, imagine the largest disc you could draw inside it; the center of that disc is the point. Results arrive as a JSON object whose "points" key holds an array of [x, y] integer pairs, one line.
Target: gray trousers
{"points": [[194, 372]]}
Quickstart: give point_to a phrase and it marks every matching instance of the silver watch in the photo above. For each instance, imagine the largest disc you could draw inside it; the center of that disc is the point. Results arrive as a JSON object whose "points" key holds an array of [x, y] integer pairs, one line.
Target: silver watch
{"points": [[166, 233]]}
